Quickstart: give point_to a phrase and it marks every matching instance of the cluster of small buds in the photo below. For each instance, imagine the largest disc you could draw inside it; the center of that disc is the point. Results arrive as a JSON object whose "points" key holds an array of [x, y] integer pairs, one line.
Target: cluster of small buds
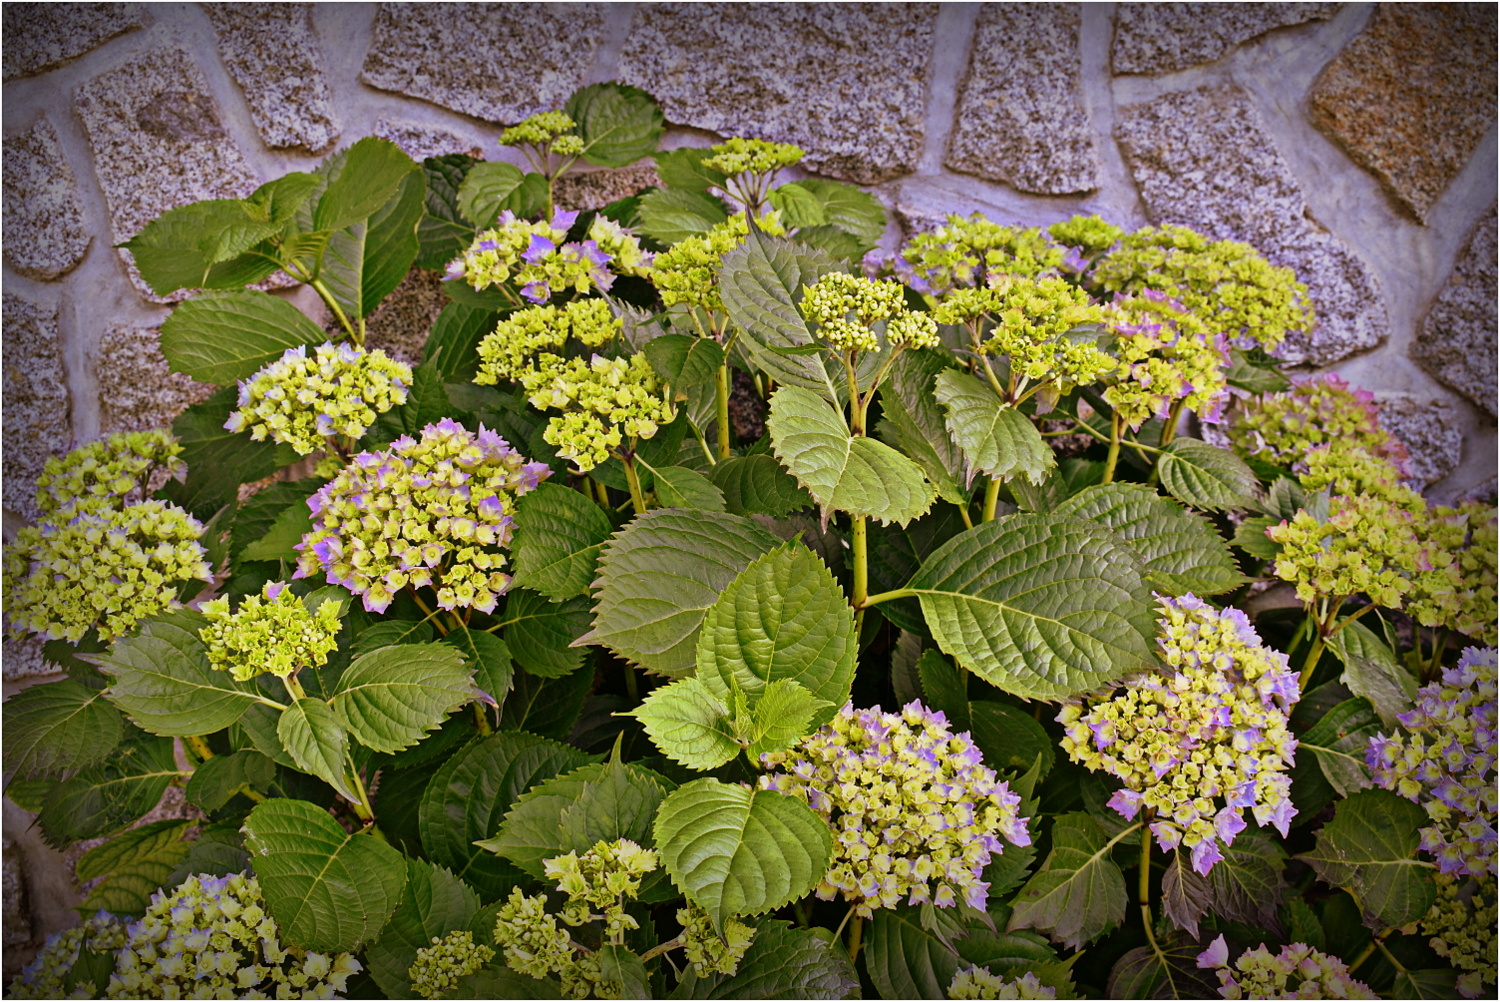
{"points": [[979, 983], [751, 156], [1464, 563], [970, 251], [846, 309], [212, 938], [432, 512], [1445, 761], [511, 350], [1343, 469], [535, 258], [1367, 546], [1166, 355], [1090, 235], [914, 811], [273, 632], [602, 878], [1034, 323], [1461, 924], [549, 129], [687, 274], [1198, 746], [46, 976], [1297, 972], [302, 401], [1228, 284], [626, 256], [104, 472], [438, 967], [530, 938], [1316, 411], [706, 949]]}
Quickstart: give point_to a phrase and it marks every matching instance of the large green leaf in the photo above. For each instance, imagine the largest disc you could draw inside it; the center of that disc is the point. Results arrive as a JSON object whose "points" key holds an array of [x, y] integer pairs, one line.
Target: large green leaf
{"points": [[219, 461], [690, 365], [219, 779], [443, 232], [59, 727], [486, 189], [283, 535], [1338, 742], [1245, 886], [669, 215], [660, 575], [1079, 893], [680, 487], [690, 723], [907, 959], [135, 865], [1369, 849], [1040, 606], [858, 475], [559, 534], [1371, 670], [453, 344], [916, 424], [542, 635], [364, 262], [368, 177], [759, 485], [995, 438], [1009, 737], [106, 797], [1170, 973], [761, 283], [1181, 550], [388, 699], [315, 739], [222, 337], [328, 890], [735, 851], [897, 554], [546, 706], [682, 169], [851, 209], [254, 518], [490, 658], [1433, 983], [434, 904], [797, 207], [1206, 476], [620, 124], [203, 245], [783, 962]]}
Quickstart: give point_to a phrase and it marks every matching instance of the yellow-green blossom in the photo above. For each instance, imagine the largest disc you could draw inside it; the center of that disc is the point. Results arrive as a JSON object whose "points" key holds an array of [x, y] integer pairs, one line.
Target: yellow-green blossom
{"points": [[46, 976], [534, 258], [1297, 972], [973, 251], [706, 949], [751, 156], [1036, 324], [538, 129], [624, 250], [1090, 234], [688, 273], [438, 967], [118, 466], [273, 632], [530, 938], [1316, 411], [1462, 924], [1166, 356], [1367, 546], [599, 882], [979, 983]]}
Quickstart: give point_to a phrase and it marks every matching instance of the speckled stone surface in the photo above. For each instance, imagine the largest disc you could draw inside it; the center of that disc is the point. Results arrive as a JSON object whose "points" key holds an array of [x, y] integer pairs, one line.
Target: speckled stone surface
{"points": [[23, 659], [1457, 341], [1203, 158], [35, 398], [137, 390], [44, 36], [420, 141], [1431, 431], [1020, 116], [500, 62], [16, 917], [400, 325], [1158, 38], [846, 82], [269, 50], [596, 189], [1411, 98], [44, 231]]}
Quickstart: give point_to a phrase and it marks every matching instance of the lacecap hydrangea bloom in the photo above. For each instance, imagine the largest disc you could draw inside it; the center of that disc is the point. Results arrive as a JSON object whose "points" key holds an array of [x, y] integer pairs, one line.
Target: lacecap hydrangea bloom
{"points": [[1167, 356], [847, 309], [968, 252], [46, 976], [1090, 235], [538, 259], [542, 129], [431, 512], [914, 811], [274, 632], [438, 966], [1196, 747], [1461, 924], [1366, 546], [1297, 972], [979, 983], [739, 155], [302, 401], [1445, 761]]}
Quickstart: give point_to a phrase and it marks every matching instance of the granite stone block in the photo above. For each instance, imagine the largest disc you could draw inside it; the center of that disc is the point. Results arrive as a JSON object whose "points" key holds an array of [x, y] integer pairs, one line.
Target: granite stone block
{"points": [[1457, 341], [45, 236], [270, 51]]}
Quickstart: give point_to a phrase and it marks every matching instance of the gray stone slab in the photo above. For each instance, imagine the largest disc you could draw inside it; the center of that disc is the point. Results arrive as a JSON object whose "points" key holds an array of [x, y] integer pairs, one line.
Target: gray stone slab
{"points": [[45, 236], [137, 390], [596, 189], [270, 51], [35, 397], [1411, 98], [1156, 38], [1457, 341], [1432, 431], [1203, 158], [500, 62], [1020, 116], [23, 659], [44, 36], [422, 141], [17, 917], [846, 82]]}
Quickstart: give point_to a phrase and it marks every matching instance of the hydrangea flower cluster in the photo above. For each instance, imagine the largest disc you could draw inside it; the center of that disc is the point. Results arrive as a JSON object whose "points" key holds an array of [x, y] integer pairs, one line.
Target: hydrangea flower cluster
{"points": [[1198, 746], [1166, 355], [688, 273], [704, 947], [1316, 411], [530, 938], [1446, 762], [102, 472], [46, 976], [438, 967], [535, 257], [1297, 972], [302, 401], [1367, 546], [212, 938], [837, 296], [968, 251], [979, 983], [1346, 470], [432, 512], [751, 156], [601, 878], [1090, 235], [549, 131], [271, 632], [1461, 923], [915, 812]]}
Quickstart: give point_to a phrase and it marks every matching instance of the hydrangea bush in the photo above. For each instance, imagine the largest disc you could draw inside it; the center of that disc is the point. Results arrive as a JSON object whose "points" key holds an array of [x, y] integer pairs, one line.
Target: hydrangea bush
{"points": [[527, 672]]}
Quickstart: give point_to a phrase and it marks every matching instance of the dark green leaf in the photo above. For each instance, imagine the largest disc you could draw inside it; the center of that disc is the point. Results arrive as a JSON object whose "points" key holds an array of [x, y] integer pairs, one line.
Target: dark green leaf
{"points": [[254, 518], [485, 189], [558, 536], [853, 210], [782, 963], [1250, 536], [315, 739], [443, 233], [758, 484], [620, 124], [1371, 670], [217, 780], [1010, 737], [896, 554], [503, 983], [285, 533], [1254, 375], [388, 699], [200, 246], [222, 337], [1338, 741], [907, 960], [107, 797], [58, 728], [453, 345], [366, 261], [761, 283], [490, 658], [669, 215], [1206, 476], [1369, 849], [368, 177], [1079, 893], [1173, 973], [944, 688], [541, 634], [678, 487], [546, 706], [218, 461], [683, 169], [434, 904], [1246, 886], [135, 865], [1428, 984], [915, 423], [995, 438], [392, 631]]}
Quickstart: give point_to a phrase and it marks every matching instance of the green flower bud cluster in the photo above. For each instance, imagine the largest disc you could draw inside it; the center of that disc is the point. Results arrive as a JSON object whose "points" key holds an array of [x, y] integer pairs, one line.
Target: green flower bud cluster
{"points": [[1227, 284], [1199, 746], [706, 949], [438, 967], [212, 938], [1034, 321], [1368, 546], [538, 129], [1166, 355], [973, 251], [1090, 234], [751, 156], [1464, 560], [624, 249], [107, 470], [46, 976], [846, 309], [1461, 923], [509, 352], [602, 878], [434, 512], [1297, 972], [1317, 411], [302, 401], [979, 983], [274, 632], [530, 938], [688, 273], [1347, 470]]}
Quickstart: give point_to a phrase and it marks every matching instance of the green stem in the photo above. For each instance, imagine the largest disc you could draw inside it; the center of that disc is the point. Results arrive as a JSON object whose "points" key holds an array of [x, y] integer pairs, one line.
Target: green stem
{"points": [[1439, 647], [856, 934], [859, 541], [632, 687], [294, 687], [601, 492], [1114, 449], [963, 513], [889, 596], [362, 807], [482, 720], [1143, 889], [721, 404], [1364, 955], [1169, 430], [338, 311], [199, 747], [661, 948], [637, 496], [991, 500], [1312, 662]]}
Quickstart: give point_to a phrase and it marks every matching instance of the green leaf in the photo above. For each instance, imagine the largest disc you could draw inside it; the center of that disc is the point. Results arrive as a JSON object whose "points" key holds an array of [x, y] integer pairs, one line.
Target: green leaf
{"points": [[1206, 476], [366, 261], [1245, 373], [222, 337], [897, 554], [620, 124], [388, 632], [798, 206], [135, 866], [851, 209], [761, 283], [1369, 849], [1250, 536], [1079, 893], [542, 634], [443, 232], [485, 190], [659, 576], [294, 522], [57, 728], [683, 170], [328, 890], [1038, 606], [434, 904], [1429, 984], [1246, 886], [1182, 551], [1172, 973], [254, 518], [1009, 737], [218, 851], [471, 792], [453, 345], [546, 706], [1338, 741], [944, 687], [995, 438], [1371, 670], [668, 215], [758, 484], [218, 461], [783, 715], [690, 365], [316, 740], [689, 723], [388, 699], [216, 781], [371, 172], [488, 654], [624, 968], [161, 678], [735, 851], [861, 476], [200, 246], [783, 962], [503, 983], [105, 798], [907, 959], [679, 487], [916, 425]]}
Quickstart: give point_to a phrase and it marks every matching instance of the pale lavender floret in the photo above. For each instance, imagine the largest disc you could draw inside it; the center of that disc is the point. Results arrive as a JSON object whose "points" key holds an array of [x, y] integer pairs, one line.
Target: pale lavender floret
{"points": [[538, 249], [535, 292], [563, 219]]}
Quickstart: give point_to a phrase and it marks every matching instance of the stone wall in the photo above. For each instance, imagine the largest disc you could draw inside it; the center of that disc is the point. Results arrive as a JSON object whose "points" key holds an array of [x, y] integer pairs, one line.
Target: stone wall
{"points": [[1353, 142]]}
